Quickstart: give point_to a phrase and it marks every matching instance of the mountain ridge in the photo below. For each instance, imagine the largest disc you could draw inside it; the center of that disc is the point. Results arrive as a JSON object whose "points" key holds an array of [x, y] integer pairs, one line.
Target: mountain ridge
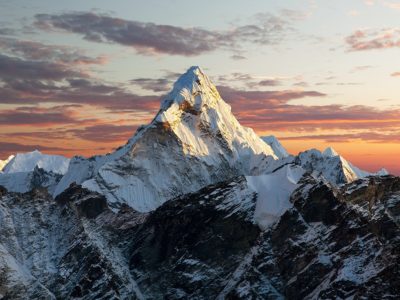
{"points": [[194, 140]]}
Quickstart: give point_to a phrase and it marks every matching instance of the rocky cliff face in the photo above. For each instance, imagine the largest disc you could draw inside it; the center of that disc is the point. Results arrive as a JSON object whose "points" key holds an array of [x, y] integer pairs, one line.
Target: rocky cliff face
{"points": [[59, 249], [333, 243]]}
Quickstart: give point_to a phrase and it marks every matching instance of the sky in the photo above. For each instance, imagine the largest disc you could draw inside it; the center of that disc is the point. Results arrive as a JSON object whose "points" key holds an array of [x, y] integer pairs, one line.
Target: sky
{"points": [[78, 77]]}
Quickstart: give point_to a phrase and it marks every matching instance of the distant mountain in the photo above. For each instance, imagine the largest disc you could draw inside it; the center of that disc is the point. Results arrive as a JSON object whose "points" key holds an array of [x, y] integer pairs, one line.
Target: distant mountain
{"points": [[26, 162], [331, 166], [23, 182], [26, 171]]}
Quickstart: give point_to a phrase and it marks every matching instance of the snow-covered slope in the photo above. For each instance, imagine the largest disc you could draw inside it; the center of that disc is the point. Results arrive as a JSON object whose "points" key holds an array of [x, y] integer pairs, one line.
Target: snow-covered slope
{"points": [[26, 162], [274, 143], [273, 193], [23, 182], [25, 171], [333, 167], [193, 141], [3, 163]]}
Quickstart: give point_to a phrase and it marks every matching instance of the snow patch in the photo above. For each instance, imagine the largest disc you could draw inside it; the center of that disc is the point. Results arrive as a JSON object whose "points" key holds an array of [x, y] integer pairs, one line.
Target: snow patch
{"points": [[330, 152], [273, 193]]}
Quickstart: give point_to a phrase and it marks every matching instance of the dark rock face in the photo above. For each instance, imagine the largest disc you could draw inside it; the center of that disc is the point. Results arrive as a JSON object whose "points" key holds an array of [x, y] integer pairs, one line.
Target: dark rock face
{"points": [[42, 178], [332, 244], [190, 245], [327, 248], [88, 204]]}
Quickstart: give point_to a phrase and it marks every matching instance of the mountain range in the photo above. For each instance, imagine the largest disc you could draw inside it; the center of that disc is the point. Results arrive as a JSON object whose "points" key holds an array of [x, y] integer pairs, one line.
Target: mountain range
{"points": [[196, 206]]}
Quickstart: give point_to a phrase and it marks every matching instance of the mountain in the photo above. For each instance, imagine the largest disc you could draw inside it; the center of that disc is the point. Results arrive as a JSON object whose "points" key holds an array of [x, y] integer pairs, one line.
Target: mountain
{"points": [[195, 206], [26, 162], [333, 167], [193, 141], [3, 163], [26, 171], [327, 243], [274, 143]]}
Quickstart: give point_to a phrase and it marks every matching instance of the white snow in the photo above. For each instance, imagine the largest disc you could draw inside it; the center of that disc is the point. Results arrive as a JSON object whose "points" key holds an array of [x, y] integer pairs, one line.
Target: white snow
{"points": [[331, 166], [330, 152], [26, 162], [3, 163], [195, 91], [274, 143], [382, 172], [18, 175], [23, 182], [16, 182], [273, 193]]}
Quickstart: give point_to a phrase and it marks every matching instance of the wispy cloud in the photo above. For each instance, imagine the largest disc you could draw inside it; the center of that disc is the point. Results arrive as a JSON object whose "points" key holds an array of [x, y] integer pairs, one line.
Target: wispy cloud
{"points": [[250, 81], [28, 116], [153, 84], [7, 148], [264, 98], [56, 53], [361, 68], [12, 68], [273, 110], [392, 5], [34, 73], [151, 38], [104, 133], [367, 39], [373, 137]]}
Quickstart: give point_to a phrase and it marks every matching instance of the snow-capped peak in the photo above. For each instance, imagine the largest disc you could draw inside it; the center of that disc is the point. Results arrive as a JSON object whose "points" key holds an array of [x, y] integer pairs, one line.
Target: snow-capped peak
{"points": [[26, 162], [333, 167], [382, 172], [274, 143], [187, 90], [193, 141], [330, 152], [192, 93], [195, 112]]}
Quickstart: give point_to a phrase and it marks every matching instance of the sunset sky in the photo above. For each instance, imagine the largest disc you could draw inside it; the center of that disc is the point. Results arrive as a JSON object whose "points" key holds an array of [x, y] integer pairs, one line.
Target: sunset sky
{"points": [[78, 77]]}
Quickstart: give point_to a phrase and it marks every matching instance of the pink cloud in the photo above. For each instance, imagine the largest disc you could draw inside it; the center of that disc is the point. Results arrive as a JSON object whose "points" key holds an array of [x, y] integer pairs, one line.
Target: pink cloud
{"points": [[362, 40]]}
